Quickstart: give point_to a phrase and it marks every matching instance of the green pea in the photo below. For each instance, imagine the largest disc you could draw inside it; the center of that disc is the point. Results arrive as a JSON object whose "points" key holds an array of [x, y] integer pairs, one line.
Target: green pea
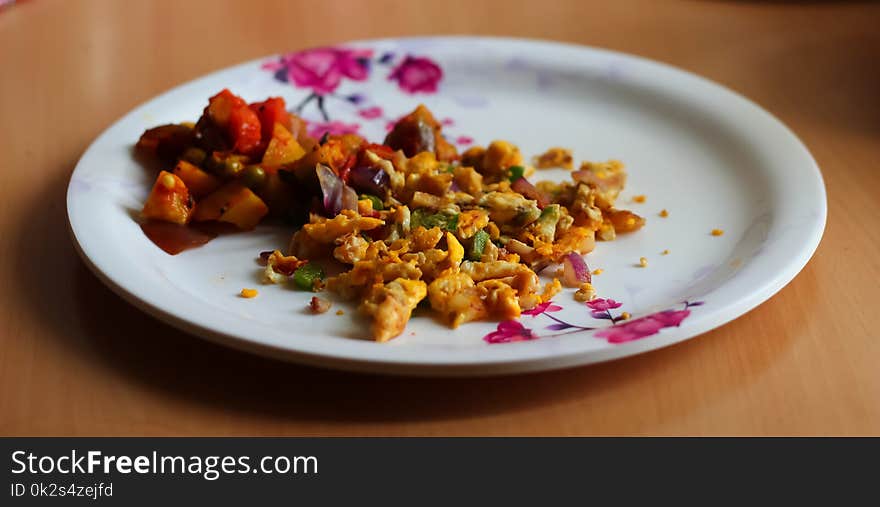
{"points": [[253, 176], [232, 167], [214, 162], [194, 155]]}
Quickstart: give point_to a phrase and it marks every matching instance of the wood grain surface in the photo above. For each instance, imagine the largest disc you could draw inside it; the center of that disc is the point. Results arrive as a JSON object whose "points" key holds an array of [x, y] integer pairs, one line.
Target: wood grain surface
{"points": [[77, 360]]}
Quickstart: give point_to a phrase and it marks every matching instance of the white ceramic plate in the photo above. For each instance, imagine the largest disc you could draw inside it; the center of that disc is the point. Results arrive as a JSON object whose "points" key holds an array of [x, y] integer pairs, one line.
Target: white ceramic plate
{"points": [[710, 157]]}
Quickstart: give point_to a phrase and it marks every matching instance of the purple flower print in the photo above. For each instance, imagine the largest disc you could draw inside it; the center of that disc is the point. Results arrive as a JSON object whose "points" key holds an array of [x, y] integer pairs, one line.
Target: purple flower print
{"points": [[464, 140], [546, 307], [417, 75], [356, 98], [317, 129], [642, 327], [322, 69], [510, 331]]}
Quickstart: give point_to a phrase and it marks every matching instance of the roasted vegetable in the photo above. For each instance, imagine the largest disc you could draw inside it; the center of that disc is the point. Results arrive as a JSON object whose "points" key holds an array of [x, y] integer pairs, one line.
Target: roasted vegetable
{"points": [[418, 132], [196, 180], [244, 131], [233, 203], [169, 200], [271, 111], [283, 149], [166, 141]]}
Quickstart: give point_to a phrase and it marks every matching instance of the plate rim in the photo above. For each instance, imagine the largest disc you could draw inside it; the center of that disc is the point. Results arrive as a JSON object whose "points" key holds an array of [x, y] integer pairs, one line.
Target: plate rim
{"points": [[696, 325]]}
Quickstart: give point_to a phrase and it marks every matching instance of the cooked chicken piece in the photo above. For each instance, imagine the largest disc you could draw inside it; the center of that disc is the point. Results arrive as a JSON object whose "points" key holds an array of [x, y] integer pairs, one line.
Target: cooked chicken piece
{"points": [[352, 248], [624, 220], [499, 156], [425, 200], [606, 178], [432, 262], [583, 207], [480, 271], [510, 208], [468, 180], [279, 267], [319, 305], [469, 222], [326, 230], [456, 298], [554, 157], [367, 272], [390, 306], [424, 239], [304, 246], [500, 299]]}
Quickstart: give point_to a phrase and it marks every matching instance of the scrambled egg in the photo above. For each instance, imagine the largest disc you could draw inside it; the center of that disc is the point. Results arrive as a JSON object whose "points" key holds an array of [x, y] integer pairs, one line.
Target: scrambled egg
{"points": [[458, 236]]}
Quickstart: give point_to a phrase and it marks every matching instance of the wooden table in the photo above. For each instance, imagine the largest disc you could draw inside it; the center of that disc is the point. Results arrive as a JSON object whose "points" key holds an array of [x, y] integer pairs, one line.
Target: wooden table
{"points": [[77, 360]]}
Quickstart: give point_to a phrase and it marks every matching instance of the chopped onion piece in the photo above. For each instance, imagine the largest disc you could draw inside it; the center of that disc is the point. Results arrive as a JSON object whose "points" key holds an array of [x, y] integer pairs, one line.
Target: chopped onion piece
{"points": [[529, 191], [337, 195], [575, 271], [370, 180]]}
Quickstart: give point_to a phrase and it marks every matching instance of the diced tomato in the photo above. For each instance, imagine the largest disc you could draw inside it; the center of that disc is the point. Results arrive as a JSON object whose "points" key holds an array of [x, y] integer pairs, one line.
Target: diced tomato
{"points": [[220, 107], [271, 111], [345, 168], [244, 130], [380, 150]]}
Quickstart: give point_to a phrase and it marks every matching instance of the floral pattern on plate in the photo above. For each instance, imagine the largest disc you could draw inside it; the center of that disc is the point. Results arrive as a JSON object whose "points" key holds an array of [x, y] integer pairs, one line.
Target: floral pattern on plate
{"points": [[621, 330], [322, 70]]}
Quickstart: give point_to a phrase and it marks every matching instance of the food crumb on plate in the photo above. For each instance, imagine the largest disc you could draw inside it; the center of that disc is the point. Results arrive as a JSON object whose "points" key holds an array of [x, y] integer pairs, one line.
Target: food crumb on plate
{"points": [[717, 232], [585, 293], [319, 305], [639, 198], [340, 312], [664, 213], [555, 157], [643, 262], [625, 316], [598, 271], [664, 252], [248, 293]]}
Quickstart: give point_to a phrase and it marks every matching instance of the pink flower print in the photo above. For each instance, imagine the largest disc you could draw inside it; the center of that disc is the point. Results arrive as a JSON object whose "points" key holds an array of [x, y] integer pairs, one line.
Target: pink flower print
{"points": [[464, 140], [322, 69], [600, 304], [316, 129], [645, 326], [370, 113], [447, 122], [547, 307], [601, 308], [417, 75], [509, 331]]}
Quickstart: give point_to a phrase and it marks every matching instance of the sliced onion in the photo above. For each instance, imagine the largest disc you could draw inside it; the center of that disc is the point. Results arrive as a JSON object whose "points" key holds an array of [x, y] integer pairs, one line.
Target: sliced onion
{"points": [[349, 198], [575, 271], [522, 186], [370, 180], [337, 195]]}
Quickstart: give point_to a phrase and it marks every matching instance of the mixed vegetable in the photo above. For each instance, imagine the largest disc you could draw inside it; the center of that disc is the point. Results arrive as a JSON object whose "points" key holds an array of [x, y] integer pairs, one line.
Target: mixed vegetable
{"points": [[410, 221]]}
